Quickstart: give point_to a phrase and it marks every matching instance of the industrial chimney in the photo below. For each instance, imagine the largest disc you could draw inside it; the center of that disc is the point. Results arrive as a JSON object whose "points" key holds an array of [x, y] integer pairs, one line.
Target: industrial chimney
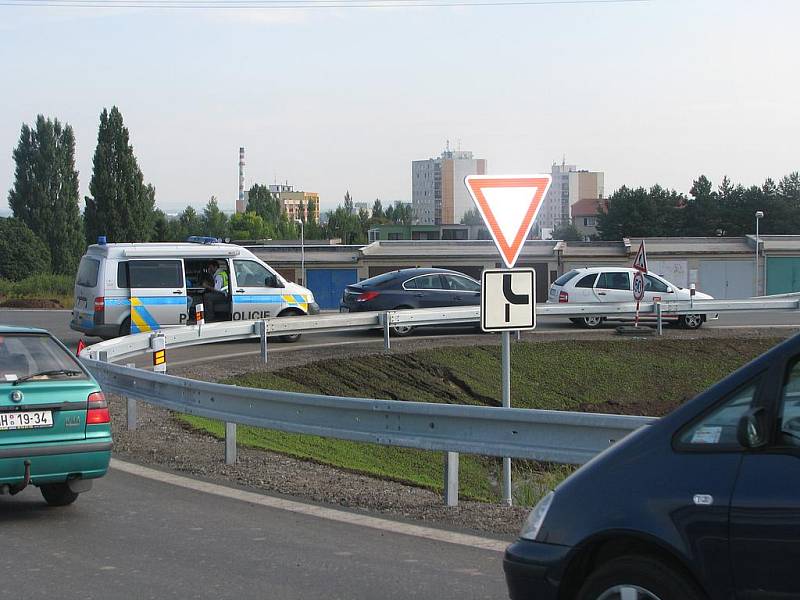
{"points": [[240, 203]]}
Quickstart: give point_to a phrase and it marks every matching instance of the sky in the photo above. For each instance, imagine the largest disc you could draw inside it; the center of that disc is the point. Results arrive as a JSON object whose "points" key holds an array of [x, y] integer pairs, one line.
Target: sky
{"points": [[338, 99]]}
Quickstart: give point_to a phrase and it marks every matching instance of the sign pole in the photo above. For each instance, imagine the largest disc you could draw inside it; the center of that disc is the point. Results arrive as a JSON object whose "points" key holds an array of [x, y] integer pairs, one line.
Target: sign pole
{"points": [[506, 366], [509, 205]]}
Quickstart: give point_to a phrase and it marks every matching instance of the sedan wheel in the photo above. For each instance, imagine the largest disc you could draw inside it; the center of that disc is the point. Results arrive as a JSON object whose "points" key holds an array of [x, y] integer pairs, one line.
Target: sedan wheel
{"points": [[691, 321], [592, 322], [402, 330]]}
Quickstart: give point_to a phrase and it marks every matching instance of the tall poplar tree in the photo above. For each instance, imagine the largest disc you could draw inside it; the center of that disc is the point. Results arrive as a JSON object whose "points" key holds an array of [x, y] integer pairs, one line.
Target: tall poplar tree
{"points": [[121, 205], [45, 193]]}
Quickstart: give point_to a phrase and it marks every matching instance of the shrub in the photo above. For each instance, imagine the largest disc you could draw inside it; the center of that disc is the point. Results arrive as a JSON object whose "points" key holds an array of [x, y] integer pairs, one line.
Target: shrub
{"points": [[22, 254]]}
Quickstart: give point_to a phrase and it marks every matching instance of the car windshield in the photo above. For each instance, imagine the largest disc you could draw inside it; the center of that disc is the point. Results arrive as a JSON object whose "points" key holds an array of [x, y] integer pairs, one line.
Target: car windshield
{"points": [[37, 357]]}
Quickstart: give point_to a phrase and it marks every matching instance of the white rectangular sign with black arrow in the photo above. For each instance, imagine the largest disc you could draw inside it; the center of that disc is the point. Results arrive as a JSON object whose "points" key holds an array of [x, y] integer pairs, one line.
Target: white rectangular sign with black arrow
{"points": [[508, 300]]}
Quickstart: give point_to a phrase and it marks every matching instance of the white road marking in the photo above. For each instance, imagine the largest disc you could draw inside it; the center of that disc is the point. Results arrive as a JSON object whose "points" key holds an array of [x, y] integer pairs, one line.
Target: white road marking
{"points": [[320, 512]]}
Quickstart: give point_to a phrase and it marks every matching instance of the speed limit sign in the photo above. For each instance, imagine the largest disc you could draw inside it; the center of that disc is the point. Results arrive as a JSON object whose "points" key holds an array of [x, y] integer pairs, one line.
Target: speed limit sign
{"points": [[638, 286]]}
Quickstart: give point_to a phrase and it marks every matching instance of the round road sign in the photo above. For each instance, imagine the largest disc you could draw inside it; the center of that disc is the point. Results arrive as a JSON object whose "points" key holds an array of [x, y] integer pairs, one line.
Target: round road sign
{"points": [[638, 286]]}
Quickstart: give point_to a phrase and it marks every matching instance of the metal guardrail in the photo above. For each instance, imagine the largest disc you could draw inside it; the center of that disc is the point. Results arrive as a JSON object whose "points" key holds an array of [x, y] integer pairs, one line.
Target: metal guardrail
{"points": [[565, 437], [491, 431]]}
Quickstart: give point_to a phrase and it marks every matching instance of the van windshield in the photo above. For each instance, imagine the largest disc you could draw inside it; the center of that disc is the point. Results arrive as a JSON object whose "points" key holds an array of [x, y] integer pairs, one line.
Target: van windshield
{"points": [[26, 355]]}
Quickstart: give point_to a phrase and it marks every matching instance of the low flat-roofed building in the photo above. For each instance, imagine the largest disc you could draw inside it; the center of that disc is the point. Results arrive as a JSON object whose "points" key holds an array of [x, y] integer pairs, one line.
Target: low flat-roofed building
{"points": [[722, 267]]}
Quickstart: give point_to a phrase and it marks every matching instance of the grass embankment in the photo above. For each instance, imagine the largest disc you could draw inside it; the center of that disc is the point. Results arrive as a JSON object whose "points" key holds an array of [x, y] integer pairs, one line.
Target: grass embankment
{"points": [[38, 291], [649, 377]]}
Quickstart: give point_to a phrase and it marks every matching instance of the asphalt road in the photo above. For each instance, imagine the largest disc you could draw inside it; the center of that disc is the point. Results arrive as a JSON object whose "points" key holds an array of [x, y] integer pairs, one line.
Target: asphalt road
{"points": [[131, 537], [58, 323]]}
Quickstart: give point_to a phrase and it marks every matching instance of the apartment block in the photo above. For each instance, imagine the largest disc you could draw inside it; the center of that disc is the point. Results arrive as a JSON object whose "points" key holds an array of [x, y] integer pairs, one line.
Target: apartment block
{"points": [[297, 204], [438, 193]]}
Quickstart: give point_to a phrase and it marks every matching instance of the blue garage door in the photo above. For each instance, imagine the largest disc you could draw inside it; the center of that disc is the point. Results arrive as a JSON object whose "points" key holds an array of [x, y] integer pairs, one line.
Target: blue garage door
{"points": [[328, 284]]}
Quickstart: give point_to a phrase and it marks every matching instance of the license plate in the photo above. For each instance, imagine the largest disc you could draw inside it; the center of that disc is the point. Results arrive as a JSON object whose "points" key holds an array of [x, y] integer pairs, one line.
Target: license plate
{"points": [[26, 420], [343, 309]]}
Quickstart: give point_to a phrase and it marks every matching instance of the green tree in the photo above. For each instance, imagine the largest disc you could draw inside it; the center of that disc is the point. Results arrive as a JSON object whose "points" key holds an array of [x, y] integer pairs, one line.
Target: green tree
{"points": [[264, 204], [349, 206], [247, 226], [641, 213], [215, 222], [377, 212], [472, 217], [161, 229], [121, 205], [567, 232], [190, 223], [22, 254], [45, 191]]}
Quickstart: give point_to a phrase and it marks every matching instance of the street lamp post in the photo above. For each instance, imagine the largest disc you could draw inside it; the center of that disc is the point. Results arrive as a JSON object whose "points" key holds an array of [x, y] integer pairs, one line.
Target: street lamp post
{"points": [[302, 251], [759, 216]]}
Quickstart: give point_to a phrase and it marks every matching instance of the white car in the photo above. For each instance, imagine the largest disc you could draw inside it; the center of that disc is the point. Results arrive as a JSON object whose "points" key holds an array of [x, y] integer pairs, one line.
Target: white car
{"points": [[615, 284]]}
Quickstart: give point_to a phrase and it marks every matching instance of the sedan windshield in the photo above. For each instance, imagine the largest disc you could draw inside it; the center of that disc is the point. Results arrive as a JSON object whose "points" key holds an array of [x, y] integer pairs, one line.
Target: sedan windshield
{"points": [[35, 357]]}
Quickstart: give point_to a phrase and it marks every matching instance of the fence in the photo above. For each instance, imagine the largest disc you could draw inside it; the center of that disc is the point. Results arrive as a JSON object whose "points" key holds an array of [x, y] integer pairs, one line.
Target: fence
{"points": [[565, 437]]}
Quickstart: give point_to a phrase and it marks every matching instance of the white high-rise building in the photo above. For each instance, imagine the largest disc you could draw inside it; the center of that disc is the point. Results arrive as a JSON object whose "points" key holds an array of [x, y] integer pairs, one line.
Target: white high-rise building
{"points": [[438, 193], [569, 186]]}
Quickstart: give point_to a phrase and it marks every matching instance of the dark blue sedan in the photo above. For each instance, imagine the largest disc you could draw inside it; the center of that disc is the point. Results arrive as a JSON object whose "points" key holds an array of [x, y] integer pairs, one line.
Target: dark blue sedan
{"points": [[411, 288], [702, 505]]}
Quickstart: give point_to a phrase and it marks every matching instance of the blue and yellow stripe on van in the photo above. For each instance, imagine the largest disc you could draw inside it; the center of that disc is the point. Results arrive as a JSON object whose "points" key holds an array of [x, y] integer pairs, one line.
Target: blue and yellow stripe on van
{"points": [[142, 319], [298, 300]]}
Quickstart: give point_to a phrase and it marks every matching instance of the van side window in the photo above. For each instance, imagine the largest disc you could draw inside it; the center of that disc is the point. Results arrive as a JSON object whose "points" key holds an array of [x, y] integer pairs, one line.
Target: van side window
{"points": [[251, 274], [790, 407], [122, 275], [155, 274], [718, 428]]}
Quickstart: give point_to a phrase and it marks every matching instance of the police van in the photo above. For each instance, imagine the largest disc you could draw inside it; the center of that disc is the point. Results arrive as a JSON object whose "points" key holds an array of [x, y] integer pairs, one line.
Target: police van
{"points": [[131, 288]]}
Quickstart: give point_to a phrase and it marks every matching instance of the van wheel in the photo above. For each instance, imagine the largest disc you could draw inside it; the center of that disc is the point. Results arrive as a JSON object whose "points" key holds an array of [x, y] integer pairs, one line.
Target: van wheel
{"points": [[58, 494], [638, 578], [125, 328], [290, 339], [690, 321]]}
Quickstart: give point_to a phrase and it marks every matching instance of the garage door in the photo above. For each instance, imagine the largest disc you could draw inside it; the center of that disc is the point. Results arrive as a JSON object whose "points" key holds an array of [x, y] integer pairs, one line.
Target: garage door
{"points": [[783, 274], [726, 279], [327, 285]]}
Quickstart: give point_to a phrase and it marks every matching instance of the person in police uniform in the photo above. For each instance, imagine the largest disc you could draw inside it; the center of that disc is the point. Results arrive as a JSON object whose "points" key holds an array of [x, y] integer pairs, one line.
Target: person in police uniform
{"points": [[215, 298]]}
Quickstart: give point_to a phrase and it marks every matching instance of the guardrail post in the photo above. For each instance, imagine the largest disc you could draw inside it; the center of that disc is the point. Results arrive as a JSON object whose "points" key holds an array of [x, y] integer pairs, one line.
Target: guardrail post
{"points": [[451, 478], [131, 407], [659, 323], [387, 344], [230, 443], [262, 332]]}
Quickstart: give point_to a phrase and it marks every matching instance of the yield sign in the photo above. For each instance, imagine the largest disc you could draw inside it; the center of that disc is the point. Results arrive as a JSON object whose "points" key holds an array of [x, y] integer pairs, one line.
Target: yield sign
{"points": [[509, 205], [640, 262]]}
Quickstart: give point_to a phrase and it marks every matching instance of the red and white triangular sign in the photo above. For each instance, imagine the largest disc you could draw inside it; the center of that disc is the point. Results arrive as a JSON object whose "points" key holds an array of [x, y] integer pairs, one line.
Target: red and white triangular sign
{"points": [[640, 262], [509, 205]]}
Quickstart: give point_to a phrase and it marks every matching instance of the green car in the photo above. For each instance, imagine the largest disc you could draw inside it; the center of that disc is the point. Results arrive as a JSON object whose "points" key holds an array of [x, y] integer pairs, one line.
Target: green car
{"points": [[55, 428]]}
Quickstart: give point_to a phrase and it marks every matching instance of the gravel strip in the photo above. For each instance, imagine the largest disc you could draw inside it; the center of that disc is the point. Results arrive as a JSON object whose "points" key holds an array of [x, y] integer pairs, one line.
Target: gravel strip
{"points": [[163, 441]]}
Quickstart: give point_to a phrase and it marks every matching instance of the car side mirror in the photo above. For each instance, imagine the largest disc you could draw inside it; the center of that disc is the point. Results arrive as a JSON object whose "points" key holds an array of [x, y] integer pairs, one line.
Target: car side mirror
{"points": [[752, 429], [670, 290]]}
